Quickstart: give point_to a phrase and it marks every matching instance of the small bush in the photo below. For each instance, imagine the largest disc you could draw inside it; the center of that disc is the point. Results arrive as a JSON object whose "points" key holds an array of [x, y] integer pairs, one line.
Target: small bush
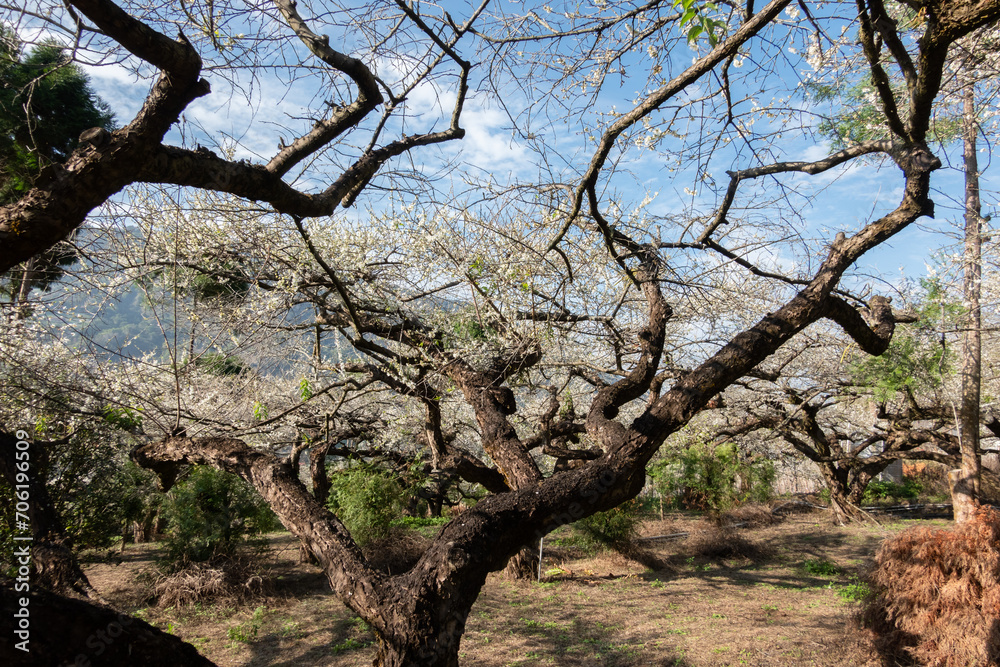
{"points": [[96, 491], [368, 499], [856, 591], [420, 521], [936, 595], [247, 631], [882, 490], [821, 567], [615, 529], [210, 514], [716, 478], [126, 503]]}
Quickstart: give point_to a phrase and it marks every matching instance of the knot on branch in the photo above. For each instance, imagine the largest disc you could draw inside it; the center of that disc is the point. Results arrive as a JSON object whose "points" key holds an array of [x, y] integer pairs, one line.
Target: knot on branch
{"points": [[505, 400], [145, 456], [915, 160], [871, 330], [95, 137]]}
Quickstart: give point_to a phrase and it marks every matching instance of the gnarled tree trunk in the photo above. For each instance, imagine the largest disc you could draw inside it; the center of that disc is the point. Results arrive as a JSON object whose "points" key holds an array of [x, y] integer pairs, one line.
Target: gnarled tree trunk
{"points": [[56, 566], [523, 565], [845, 493]]}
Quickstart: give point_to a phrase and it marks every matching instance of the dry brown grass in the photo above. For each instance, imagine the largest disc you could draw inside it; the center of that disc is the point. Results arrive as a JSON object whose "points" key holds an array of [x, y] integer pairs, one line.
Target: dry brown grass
{"points": [[750, 515], [721, 542], [602, 610], [937, 595], [397, 552], [233, 580]]}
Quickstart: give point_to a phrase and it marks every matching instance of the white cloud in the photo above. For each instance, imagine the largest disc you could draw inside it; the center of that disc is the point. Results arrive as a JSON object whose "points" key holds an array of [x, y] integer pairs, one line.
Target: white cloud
{"points": [[488, 145], [120, 87]]}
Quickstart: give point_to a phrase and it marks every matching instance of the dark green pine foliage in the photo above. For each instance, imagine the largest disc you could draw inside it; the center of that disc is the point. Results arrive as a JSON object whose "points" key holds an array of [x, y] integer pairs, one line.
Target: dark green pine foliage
{"points": [[45, 103]]}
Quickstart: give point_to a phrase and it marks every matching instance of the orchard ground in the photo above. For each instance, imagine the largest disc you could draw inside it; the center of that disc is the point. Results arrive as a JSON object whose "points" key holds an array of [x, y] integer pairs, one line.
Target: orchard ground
{"points": [[784, 595]]}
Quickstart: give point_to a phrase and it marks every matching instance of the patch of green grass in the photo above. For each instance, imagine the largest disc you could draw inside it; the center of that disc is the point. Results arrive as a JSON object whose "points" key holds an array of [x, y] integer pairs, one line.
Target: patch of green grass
{"points": [[349, 644], [246, 632], [360, 624], [211, 612], [541, 625], [821, 568], [291, 630], [630, 650], [856, 591]]}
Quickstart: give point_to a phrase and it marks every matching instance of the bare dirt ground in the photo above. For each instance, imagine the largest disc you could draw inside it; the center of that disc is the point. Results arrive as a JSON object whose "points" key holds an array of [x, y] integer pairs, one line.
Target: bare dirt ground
{"points": [[772, 595]]}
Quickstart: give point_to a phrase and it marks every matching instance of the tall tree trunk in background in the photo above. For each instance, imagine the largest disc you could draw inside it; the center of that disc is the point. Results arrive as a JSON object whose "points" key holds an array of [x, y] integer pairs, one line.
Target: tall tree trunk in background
{"points": [[965, 480], [22, 311]]}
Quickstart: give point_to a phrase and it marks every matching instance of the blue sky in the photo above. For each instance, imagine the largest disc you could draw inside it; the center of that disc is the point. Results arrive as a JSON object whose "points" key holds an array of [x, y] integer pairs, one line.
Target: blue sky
{"points": [[252, 115]]}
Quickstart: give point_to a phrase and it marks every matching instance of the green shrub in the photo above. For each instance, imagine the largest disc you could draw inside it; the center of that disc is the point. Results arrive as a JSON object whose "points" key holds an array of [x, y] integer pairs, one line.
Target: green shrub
{"points": [[856, 591], [247, 631], [124, 501], [880, 490], [368, 499], [420, 521], [93, 486], [706, 477], [613, 529], [210, 514]]}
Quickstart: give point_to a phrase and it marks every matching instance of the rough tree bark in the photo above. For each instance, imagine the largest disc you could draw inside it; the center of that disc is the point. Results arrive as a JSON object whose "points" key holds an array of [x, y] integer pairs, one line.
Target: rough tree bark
{"points": [[52, 556], [846, 490], [66, 631], [317, 470]]}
